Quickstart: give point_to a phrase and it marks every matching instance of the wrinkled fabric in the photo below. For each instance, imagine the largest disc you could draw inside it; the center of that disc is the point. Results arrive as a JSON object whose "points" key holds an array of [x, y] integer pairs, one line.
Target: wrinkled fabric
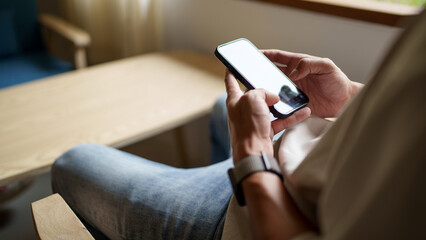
{"points": [[128, 197], [364, 179]]}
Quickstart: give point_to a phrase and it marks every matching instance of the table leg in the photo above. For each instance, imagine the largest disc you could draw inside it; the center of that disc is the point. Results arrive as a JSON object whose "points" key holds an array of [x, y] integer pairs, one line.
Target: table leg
{"points": [[181, 146]]}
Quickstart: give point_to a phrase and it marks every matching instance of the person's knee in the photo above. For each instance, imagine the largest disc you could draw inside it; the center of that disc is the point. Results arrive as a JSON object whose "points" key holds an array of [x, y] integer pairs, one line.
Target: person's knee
{"points": [[70, 163], [73, 155], [74, 152], [219, 115], [219, 108]]}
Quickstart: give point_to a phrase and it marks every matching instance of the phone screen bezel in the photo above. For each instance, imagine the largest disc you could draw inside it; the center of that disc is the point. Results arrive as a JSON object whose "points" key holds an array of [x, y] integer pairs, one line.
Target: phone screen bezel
{"points": [[249, 85]]}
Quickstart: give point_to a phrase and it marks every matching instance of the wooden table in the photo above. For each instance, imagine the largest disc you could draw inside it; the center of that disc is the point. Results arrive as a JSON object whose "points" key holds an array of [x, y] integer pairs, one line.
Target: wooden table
{"points": [[115, 104]]}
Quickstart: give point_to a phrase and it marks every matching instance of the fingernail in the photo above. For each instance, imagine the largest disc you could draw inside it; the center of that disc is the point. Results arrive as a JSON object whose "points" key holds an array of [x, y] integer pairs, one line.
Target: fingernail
{"points": [[295, 71]]}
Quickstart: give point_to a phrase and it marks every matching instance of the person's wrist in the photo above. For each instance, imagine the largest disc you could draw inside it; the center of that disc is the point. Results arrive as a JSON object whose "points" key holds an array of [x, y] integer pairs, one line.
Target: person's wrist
{"points": [[257, 184], [251, 147]]}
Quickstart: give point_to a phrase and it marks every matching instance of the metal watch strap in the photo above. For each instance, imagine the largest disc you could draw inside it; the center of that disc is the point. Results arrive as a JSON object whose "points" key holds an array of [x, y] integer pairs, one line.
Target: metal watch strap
{"points": [[248, 166]]}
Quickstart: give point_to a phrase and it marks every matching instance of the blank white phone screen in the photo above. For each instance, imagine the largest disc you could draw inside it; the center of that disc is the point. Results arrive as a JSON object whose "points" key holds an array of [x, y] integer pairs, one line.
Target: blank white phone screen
{"points": [[260, 72]]}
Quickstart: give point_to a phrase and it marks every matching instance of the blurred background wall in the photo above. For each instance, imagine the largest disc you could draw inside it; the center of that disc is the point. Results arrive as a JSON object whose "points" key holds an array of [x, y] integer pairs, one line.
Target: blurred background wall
{"points": [[119, 28], [122, 28], [355, 46]]}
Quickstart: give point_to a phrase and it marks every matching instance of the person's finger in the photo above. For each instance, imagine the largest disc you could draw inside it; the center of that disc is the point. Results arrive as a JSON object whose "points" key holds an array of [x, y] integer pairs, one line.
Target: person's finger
{"points": [[271, 98], [281, 56], [260, 93], [289, 59], [281, 66], [232, 88], [311, 65], [280, 124]]}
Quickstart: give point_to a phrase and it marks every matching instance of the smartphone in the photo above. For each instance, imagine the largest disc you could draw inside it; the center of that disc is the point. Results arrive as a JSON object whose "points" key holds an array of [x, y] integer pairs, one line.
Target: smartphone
{"points": [[255, 70]]}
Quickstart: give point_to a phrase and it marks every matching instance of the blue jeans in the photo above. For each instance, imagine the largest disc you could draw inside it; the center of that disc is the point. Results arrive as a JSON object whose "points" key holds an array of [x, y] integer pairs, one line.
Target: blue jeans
{"points": [[219, 132], [128, 197]]}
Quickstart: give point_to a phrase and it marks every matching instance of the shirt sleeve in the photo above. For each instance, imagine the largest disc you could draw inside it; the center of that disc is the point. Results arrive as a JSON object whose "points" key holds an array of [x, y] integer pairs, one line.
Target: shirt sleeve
{"points": [[373, 158]]}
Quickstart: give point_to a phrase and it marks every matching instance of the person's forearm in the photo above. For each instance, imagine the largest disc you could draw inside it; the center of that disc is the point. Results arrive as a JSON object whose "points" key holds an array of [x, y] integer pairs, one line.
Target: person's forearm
{"points": [[273, 214]]}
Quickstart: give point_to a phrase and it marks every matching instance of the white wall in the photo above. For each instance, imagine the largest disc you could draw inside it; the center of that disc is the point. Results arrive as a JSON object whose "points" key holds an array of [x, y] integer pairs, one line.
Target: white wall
{"points": [[355, 46]]}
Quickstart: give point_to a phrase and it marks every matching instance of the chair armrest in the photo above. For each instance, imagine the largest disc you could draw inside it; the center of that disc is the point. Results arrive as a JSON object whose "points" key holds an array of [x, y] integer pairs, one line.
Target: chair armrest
{"points": [[77, 36], [80, 39], [54, 219]]}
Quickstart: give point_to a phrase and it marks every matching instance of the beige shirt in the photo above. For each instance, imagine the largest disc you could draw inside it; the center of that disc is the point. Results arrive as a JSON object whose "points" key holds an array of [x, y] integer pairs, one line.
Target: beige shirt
{"points": [[364, 178]]}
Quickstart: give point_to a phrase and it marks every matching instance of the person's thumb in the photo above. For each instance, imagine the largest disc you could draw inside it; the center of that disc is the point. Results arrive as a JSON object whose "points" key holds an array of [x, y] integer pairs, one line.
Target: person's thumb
{"points": [[271, 98]]}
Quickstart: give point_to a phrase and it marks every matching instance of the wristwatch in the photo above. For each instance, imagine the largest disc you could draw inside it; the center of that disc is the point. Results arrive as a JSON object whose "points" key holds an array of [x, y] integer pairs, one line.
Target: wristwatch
{"points": [[248, 166]]}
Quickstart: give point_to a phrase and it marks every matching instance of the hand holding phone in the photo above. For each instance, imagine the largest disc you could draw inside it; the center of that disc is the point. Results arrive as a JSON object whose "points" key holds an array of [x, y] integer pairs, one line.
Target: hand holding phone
{"points": [[255, 70]]}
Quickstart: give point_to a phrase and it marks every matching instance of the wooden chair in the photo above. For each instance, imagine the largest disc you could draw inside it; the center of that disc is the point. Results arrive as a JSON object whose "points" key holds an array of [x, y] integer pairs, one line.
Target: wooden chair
{"points": [[78, 37], [24, 56], [54, 219]]}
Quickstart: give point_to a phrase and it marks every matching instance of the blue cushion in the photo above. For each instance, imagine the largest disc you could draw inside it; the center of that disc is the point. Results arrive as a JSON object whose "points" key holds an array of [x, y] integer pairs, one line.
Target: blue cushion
{"points": [[30, 66], [8, 41]]}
